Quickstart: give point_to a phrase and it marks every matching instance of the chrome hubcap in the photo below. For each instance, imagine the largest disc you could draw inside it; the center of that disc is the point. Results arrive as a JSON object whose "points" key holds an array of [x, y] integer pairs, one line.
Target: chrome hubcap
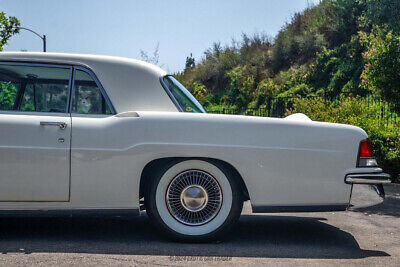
{"points": [[194, 197]]}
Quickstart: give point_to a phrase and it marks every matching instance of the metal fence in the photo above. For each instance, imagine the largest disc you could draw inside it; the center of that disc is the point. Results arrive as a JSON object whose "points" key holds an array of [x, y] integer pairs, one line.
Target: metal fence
{"points": [[273, 108], [277, 107]]}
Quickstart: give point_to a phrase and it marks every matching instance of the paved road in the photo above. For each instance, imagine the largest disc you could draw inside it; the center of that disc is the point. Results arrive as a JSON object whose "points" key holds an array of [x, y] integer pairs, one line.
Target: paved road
{"points": [[365, 236]]}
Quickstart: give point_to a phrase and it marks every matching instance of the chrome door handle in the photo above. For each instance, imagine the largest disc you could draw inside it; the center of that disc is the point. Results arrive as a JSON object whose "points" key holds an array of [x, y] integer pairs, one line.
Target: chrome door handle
{"points": [[62, 125]]}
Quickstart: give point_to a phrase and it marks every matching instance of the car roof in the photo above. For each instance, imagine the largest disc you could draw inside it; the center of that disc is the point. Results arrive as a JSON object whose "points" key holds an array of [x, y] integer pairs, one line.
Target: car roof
{"points": [[77, 59], [131, 85]]}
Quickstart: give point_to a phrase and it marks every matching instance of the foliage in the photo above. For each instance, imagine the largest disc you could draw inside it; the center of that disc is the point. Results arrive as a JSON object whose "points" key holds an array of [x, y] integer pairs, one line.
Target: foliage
{"points": [[190, 62], [251, 53], [327, 25], [318, 52], [199, 91], [8, 93], [241, 86], [293, 82], [8, 27], [338, 70], [294, 46], [382, 13], [265, 90], [385, 139], [382, 71], [154, 58]]}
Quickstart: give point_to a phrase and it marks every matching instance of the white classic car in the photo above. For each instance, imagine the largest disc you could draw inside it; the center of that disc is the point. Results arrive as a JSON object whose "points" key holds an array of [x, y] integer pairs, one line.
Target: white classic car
{"points": [[89, 134]]}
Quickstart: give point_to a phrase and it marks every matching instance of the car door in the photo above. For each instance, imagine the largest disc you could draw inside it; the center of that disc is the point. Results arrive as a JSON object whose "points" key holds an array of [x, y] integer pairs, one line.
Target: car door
{"points": [[35, 132], [99, 176]]}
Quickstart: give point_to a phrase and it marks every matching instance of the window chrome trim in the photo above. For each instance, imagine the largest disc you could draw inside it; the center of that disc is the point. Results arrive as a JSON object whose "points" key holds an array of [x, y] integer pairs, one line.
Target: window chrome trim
{"points": [[99, 85], [70, 66], [71, 92], [34, 113], [171, 96], [35, 64], [71, 84], [52, 65]]}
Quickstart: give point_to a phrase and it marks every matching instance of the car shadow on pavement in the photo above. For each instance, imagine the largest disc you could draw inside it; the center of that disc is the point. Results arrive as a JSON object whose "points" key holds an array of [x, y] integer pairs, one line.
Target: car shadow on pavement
{"points": [[253, 236], [390, 205]]}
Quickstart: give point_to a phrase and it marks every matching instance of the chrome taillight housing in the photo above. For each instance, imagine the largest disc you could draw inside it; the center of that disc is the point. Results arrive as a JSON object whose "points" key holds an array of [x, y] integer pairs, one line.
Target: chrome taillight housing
{"points": [[366, 155]]}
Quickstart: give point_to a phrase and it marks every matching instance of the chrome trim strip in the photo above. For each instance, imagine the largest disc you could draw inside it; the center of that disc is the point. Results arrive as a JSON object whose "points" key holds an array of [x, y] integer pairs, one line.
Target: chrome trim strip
{"points": [[46, 62], [364, 170], [70, 212], [51, 65], [366, 181], [303, 208], [71, 86], [367, 178]]}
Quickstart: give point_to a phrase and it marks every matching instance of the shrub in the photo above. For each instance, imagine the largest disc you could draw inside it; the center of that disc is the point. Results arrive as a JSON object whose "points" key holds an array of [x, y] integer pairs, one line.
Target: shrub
{"points": [[338, 70], [199, 91], [264, 91], [241, 88], [8, 93], [382, 13], [382, 71]]}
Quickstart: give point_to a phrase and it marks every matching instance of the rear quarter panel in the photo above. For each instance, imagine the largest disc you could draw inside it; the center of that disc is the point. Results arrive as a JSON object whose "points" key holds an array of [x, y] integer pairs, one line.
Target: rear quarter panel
{"points": [[282, 162]]}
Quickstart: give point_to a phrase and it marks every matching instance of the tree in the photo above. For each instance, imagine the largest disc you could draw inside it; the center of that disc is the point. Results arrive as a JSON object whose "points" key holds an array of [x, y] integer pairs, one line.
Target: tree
{"points": [[382, 68], [8, 27], [190, 62], [154, 58]]}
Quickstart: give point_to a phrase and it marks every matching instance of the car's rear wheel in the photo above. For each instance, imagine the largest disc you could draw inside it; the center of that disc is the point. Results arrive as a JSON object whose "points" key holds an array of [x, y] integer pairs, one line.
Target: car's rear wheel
{"points": [[193, 200]]}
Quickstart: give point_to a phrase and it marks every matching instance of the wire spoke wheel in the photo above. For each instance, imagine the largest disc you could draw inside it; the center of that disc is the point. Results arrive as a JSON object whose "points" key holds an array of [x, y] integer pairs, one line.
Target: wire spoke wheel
{"points": [[194, 197], [193, 200]]}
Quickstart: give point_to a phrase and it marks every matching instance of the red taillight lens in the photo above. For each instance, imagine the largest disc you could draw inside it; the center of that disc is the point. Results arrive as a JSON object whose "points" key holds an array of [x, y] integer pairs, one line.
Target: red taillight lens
{"points": [[366, 155], [366, 150]]}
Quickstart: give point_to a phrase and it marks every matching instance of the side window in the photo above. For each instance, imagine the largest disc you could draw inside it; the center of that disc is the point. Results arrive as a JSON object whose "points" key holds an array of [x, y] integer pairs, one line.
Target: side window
{"points": [[87, 98], [34, 88]]}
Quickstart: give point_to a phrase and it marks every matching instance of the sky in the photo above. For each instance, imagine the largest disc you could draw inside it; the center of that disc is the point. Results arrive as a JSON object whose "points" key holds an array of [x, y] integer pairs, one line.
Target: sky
{"points": [[125, 27]]}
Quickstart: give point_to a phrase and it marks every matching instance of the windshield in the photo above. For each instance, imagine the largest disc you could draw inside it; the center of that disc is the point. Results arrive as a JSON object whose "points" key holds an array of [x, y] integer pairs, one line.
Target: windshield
{"points": [[183, 98]]}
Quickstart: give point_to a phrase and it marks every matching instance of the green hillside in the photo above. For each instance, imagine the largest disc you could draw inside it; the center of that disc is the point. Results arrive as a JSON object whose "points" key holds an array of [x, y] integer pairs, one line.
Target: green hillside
{"points": [[331, 56]]}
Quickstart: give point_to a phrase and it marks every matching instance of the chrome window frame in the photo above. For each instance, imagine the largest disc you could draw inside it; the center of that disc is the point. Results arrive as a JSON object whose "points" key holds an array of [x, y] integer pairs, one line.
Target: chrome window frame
{"points": [[171, 96], [99, 85], [72, 68], [52, 65]]}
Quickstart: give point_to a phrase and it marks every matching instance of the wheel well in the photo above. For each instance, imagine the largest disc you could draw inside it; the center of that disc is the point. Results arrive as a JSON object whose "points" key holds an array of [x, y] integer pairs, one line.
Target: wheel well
{"points": [[150, 167]]}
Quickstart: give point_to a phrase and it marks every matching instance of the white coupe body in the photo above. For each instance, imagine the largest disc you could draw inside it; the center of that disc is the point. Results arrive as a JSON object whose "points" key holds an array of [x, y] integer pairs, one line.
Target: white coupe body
{"points": [[97, 161]]}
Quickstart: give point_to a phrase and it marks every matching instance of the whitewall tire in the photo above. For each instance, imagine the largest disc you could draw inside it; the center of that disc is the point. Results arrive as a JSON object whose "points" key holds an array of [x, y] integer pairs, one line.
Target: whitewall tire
{"points": [[194, 200]]}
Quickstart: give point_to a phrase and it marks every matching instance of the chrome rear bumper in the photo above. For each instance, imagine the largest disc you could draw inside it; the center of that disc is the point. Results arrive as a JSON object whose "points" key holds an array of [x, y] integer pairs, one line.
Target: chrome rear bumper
{"points": [[368, 178], [375, 178]]}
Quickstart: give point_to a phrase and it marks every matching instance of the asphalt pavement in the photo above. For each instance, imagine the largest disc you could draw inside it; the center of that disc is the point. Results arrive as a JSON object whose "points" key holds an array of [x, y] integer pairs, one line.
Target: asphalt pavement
{"points": [[362, 236]]}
